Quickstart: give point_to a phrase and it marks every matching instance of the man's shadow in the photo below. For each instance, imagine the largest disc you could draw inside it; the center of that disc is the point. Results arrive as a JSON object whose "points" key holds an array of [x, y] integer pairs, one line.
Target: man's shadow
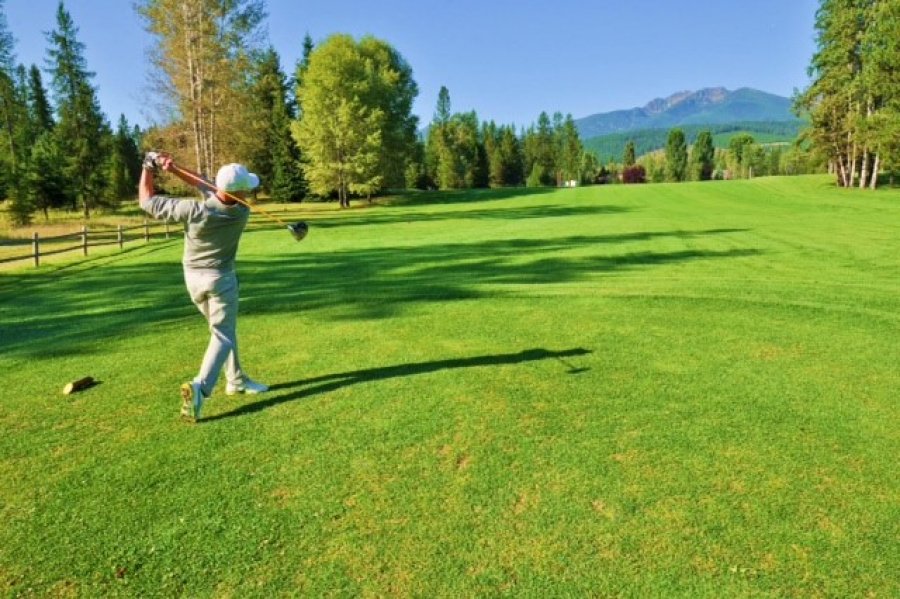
{"points": [[330, 382]]}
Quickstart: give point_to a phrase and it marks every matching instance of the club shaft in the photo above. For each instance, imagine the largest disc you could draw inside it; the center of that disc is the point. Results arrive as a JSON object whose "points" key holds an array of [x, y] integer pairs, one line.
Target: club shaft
{"points": [[231, 197]]}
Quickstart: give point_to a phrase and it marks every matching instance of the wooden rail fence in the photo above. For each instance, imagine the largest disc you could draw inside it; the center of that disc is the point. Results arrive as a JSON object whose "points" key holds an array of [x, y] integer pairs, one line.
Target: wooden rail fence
{"points": [[86, 238]]}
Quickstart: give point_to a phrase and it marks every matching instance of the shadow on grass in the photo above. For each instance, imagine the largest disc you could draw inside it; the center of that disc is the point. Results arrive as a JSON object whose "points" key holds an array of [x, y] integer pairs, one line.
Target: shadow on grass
{"points": [[74, 312], [381, 282], [390, 215], [433, 198], [331, 382]]}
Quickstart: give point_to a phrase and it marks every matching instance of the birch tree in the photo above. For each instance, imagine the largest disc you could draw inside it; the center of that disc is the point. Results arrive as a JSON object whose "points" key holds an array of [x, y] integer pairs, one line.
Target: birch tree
{"points": [[201, 55], [852, 100], [881, 77]]}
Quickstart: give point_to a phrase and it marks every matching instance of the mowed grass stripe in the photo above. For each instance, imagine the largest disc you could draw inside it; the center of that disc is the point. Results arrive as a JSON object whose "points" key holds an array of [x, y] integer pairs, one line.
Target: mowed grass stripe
{"points": [[680, 390]]}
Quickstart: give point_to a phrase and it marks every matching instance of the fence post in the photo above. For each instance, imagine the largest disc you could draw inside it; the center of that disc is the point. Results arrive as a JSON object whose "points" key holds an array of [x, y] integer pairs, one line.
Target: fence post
{"points": [[167, 228], [119, 236], [36, 248], [146, 230], [84, 243]]}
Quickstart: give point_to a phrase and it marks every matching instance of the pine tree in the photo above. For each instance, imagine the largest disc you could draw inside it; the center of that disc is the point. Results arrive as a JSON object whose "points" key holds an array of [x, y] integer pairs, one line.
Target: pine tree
{"points": [[511, 157], [441, 157], [676, 156], [537, 176], [10, 103], [442, 112], [570, 150], [46, 182], [628, 157], [545, 150], [490, 137], [123, 165], [590, 164], [416, 175], [703, 156], [277, 157], [16, 127], [38, 105], [267, 89], [299, 72], [82, 128]]}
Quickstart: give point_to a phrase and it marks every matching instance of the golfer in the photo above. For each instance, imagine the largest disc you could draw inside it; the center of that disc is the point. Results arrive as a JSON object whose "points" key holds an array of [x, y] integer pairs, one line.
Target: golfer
{"points": [[212, 230]]}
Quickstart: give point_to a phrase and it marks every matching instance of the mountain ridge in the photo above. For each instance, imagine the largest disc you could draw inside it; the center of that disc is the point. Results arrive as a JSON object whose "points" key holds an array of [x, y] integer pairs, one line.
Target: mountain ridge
{"points": [[707, 106]]}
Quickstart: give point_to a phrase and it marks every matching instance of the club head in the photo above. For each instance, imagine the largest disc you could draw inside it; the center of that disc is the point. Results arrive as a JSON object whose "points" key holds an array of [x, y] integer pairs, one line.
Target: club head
{"points": [[298, 230]]}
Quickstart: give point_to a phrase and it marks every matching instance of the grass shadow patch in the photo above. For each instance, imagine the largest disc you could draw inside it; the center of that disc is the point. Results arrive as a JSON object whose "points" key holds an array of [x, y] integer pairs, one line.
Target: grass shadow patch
{"points": [[331, 382], [72, 311]]}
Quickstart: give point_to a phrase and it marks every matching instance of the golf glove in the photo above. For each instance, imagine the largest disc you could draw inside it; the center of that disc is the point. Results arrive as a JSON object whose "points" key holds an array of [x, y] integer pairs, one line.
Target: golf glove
{"points": [[150, 161]]}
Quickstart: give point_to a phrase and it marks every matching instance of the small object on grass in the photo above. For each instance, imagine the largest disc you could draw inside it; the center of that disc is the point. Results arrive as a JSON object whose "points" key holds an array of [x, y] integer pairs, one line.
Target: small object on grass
{"points": [[79, 385], [298, 229]]}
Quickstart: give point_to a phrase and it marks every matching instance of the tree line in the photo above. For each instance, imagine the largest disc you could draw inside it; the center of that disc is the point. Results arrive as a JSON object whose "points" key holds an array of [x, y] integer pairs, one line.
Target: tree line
{"points": [[58, 148], [609, 147], [702, 161], [341, 124], [459, 152]]}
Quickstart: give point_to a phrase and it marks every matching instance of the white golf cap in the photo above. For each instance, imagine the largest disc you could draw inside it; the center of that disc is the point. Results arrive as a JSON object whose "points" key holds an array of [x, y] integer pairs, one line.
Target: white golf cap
{"points": [[236, 177]]}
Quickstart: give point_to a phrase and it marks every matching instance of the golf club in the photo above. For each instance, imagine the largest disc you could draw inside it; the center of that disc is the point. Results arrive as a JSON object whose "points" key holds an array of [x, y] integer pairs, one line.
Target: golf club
{"points": [[298, 229]]}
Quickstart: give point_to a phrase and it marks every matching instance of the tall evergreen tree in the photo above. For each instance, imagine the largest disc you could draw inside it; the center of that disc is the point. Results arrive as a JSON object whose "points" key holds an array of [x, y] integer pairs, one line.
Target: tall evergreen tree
{"points": [[12, 108], [590, 165], [15, 128], [39, 106], [442, 112], [300, 70], [570, 149], [628, 157], [465, 145], [511, 157], [274, 155], [676, 156], [545, 150], [490, 137], [442, 159], [123, 165], [703, 156], [7, 42], [417, 176], [82, 129], [44, 177]]}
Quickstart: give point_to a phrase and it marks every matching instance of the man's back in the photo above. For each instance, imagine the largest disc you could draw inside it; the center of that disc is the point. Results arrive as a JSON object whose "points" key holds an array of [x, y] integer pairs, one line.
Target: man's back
{"points": [[212, 230]]}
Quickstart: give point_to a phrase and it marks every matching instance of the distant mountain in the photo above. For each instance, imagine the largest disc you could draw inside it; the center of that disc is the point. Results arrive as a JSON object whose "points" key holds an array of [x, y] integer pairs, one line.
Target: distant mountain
{"points": [[711, 106]]}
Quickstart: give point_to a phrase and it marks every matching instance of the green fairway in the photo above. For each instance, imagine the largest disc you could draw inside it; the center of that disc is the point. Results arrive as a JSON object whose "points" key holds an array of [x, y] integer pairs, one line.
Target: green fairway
{"points": [[662, 390]]}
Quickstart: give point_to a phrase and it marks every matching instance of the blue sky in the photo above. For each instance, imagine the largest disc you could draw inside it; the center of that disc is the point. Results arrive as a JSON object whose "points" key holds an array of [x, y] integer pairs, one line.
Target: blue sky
{"points": [[506, 59]]}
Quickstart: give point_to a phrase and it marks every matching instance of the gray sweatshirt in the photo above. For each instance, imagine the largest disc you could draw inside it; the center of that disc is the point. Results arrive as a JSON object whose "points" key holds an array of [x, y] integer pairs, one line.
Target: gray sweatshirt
{"points": [[212, 229]]}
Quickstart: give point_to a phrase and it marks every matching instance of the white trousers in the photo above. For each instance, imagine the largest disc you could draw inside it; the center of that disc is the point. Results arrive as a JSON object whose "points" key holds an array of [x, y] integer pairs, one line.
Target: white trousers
{"points": [[216, 296]]}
